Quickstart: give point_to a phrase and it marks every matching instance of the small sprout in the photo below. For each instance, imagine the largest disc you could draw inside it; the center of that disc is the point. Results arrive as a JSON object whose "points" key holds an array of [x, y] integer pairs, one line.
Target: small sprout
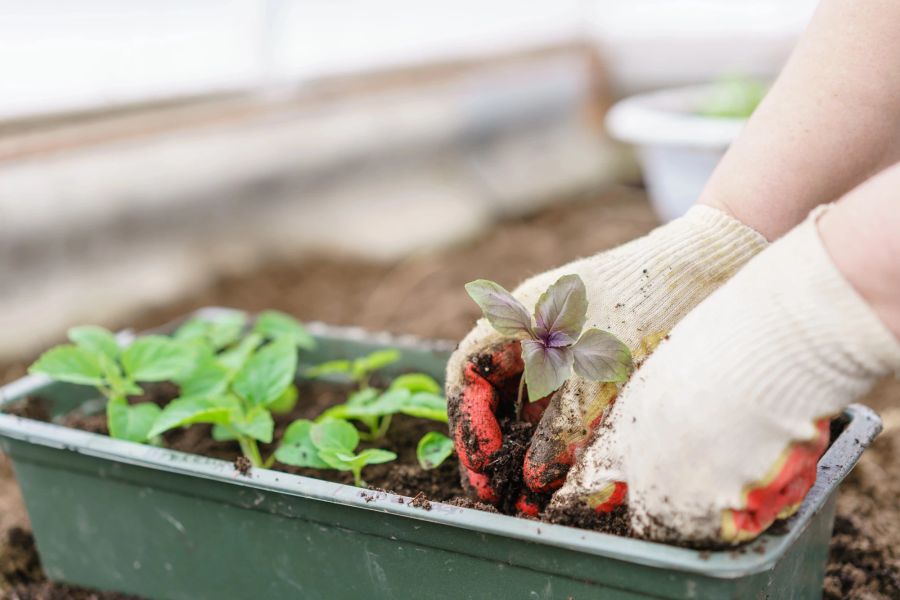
{"points": [[414, 394], [552, 342], [273, 324], [328, 444], [433, 449], [733, 97], [238, 404], [358, 370]]}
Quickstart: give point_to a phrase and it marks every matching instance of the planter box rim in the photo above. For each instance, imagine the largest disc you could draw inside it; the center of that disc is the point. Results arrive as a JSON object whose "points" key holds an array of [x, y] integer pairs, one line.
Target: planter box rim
{"points": [[837, 462]]}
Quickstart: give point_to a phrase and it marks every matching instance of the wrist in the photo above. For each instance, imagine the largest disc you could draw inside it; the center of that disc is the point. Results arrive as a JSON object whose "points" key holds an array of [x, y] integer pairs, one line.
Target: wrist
{"points": [[862, 242]]}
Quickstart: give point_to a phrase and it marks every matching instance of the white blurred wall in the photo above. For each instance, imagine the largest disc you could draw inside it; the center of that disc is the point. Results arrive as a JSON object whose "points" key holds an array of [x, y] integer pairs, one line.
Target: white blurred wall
{"points": [[60, 55]]}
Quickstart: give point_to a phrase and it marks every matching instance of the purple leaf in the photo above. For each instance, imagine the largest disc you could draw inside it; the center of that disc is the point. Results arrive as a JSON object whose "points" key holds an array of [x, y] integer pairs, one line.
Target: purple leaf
{"points": [[546, 368], [561, 311], [601, 356], [507, 315]]}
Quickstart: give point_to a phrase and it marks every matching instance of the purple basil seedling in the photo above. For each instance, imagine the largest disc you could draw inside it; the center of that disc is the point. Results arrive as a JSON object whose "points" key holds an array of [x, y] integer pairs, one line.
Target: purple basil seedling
{"points": [[552, 342]]}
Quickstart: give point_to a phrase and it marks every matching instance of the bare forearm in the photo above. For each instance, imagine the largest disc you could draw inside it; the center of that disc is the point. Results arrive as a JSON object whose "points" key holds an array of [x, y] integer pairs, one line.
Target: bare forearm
{"points": [[862, 236], [831, 120]]}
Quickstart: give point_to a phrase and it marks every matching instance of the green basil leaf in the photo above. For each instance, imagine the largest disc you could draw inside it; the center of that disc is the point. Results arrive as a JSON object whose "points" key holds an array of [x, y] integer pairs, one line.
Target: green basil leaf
{"points": [[330, 367], [257, 423], [425, 405], [331, 458], [96, 340], [234, 359], [220, 331], [416, 382], [69, 363], [116, 381], [156, 358], [433, 449], [297, 447], [376, 360], [336, 435], [387, 403], [194, 409], [375, 456], [221, 433], [268, 373], [286, 402], [273, 324], [131, 422], [208, 377]]}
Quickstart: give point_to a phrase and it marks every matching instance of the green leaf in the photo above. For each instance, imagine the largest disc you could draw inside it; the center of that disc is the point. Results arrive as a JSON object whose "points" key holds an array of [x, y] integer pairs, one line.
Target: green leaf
{"points": [[545, 368], [257, 423], [433, 449], [219, 332], [69, 363], [274, 325], [561, 311], [379, 359], [194, 409], [96, 340], [156, 358], [234, 359], [115, 380], [345, 461], [297, 447], [207, 378], [267, 374], [332, 460], [426, 405], [375, 456], [335, 435], [387, 403], [330, 367], [601, 356], [286, 402], [416, 382], [506, 314], [131, 422], [222, 433], [363, 397]]}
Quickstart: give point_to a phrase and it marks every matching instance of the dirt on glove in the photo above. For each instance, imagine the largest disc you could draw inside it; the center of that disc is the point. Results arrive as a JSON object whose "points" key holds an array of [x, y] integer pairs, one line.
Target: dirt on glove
{"points": [[424, 295]]}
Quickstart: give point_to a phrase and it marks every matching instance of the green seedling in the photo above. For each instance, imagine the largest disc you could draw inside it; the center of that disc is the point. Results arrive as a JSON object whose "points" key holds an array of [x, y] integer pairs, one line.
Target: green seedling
{"points": [[413, 394], [95, 358], [237, 382], [433, 449], [733, 97], [329, 444], [552, 342], [360, 370]]}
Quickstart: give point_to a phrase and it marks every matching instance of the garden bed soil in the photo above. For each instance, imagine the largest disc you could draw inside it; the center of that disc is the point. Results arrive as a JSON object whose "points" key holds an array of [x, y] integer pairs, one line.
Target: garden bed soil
{"points": [[423, 295]]}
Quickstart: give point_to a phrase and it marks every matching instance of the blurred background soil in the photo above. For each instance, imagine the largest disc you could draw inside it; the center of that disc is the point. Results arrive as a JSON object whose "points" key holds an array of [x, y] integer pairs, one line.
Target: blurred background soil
{"points": [[423, 294]]}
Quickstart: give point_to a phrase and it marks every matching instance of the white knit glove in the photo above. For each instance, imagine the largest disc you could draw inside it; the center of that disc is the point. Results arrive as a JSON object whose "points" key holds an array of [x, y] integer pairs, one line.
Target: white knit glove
{"points": [[719, 432], [637, 291]]}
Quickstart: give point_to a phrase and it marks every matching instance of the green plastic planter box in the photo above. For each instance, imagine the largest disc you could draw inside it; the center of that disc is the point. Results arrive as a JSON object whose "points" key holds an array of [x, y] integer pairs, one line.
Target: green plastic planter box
{"points": [[120, 516]]}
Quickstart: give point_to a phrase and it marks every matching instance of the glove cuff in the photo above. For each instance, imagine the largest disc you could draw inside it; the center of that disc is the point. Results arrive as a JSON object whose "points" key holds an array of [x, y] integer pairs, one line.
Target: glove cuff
{"points": [[832, 347]]}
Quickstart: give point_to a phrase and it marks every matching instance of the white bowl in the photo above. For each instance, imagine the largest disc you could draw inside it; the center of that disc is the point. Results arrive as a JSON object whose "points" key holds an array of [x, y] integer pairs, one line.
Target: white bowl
{"points": [[677, 148]]}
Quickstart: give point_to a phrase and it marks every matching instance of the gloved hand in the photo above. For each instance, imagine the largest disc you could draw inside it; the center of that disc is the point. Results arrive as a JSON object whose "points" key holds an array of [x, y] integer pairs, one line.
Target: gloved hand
{"points": [[719, 432], [637, 291]]}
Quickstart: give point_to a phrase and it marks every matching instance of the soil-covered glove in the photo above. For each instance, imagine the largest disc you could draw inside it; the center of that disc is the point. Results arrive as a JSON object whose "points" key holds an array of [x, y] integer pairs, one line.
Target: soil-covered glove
{"points": [[637, 291], [719, 432]]}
